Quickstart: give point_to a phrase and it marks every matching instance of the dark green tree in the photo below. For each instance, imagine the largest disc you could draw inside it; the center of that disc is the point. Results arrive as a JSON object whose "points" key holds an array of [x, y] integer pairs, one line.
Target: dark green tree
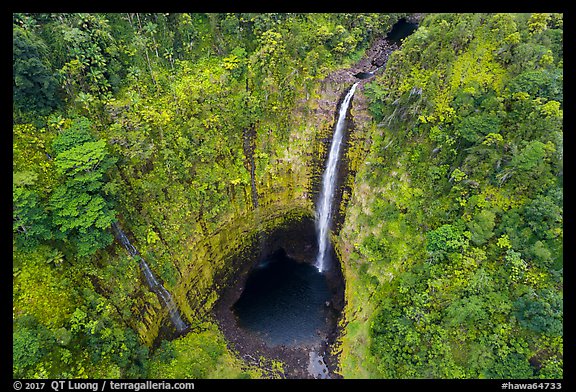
{"points": [[34, 86], [445, 239], [79, 209], [30, 222], [544, 214], [31, 343], [541, 311]]}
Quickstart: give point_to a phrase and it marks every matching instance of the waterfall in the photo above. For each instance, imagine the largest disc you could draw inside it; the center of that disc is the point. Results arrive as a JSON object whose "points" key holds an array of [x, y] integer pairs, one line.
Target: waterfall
{"points": [[124, 240], [164, 296], [154, 285], [324, 207]]}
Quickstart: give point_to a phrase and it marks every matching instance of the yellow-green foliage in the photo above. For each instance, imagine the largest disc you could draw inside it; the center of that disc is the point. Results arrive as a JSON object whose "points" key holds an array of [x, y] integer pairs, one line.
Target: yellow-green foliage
{"points": [[40, 287], [199, 355], [452, 245], [465, 147], [184, 103]]}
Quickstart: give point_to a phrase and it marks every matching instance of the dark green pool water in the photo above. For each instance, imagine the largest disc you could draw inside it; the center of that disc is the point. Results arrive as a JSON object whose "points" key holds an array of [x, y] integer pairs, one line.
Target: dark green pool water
{"points": [[284, 302]]}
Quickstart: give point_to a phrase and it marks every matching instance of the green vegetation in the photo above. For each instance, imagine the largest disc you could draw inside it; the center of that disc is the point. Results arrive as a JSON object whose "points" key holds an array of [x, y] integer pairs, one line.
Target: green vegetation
{"points": [[457, 230], [147, 119], [174, 124], [201, 355]]}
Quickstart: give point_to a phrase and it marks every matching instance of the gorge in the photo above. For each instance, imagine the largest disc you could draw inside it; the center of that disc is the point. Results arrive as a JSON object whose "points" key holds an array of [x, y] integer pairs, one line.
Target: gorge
{"points": [[276, 305], [287, 195]]}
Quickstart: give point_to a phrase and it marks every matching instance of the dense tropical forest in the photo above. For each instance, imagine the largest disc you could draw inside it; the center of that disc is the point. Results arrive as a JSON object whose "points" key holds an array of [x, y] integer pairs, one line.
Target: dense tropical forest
{"points": [[193, 132]]}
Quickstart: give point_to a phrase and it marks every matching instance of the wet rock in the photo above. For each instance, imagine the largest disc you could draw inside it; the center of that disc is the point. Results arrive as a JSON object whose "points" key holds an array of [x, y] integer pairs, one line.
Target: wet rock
{"points": [[317, 360], [317, 367]]}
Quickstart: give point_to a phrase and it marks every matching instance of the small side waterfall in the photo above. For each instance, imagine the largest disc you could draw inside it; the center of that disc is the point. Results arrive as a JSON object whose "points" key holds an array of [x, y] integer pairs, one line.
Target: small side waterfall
{"points": [[154, 285], [324, 207]]}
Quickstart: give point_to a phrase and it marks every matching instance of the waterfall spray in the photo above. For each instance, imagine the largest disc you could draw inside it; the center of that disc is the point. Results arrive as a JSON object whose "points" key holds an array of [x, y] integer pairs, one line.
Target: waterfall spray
{"points": [[324, 207]]}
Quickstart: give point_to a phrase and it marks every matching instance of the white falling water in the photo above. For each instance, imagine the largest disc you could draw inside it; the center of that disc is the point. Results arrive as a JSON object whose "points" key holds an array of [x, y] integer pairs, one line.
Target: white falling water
{"points": [[154, 285], [324, 207], [164, 295]]}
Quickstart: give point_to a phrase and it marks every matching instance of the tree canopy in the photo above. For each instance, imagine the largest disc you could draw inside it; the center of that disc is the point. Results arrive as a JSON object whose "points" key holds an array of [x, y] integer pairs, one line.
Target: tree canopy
{"points": [[180, 124]]}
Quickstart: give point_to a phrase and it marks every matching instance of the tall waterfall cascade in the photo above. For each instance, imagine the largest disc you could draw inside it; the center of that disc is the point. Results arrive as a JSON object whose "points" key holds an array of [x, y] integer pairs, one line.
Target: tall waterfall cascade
{"points": [[329, 179], [153, 284]]}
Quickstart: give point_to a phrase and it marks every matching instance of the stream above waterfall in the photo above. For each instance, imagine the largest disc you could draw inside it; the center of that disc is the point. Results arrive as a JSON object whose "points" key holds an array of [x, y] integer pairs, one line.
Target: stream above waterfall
{"points": [[285, 301], [401, 30]]}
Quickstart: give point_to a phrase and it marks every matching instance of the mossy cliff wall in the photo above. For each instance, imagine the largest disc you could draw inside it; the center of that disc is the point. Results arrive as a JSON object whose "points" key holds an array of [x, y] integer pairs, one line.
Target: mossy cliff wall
{"points": [[287, 178]]}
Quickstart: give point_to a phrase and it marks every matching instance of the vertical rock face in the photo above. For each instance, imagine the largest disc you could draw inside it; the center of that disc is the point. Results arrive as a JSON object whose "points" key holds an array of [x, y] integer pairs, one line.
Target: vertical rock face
{"points": [[248, 145], [286, 189], [295, 235], [330, 181]]}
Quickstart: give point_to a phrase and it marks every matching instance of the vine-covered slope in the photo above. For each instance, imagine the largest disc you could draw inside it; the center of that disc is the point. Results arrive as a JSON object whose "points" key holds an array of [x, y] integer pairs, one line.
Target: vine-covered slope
{"points": [[453, 240], [193, 130], [196, 130]]}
